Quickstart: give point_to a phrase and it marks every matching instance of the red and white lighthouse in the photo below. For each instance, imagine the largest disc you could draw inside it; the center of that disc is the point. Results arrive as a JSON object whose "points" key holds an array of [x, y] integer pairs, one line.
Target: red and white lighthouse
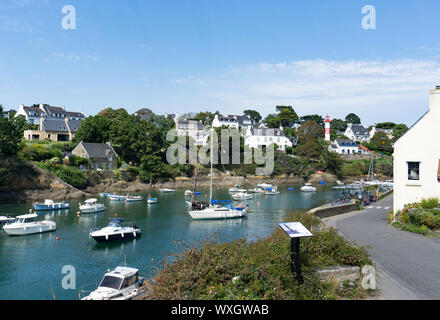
{"points": [[327, 128]]}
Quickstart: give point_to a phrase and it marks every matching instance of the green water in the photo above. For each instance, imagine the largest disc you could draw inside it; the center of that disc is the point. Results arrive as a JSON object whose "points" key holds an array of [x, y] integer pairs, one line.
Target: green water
{"points": [[30, 266]]}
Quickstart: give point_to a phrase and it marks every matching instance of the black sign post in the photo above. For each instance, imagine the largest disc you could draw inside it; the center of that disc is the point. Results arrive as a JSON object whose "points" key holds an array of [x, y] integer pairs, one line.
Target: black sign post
{"points": [[296, 260], [296, 231]]}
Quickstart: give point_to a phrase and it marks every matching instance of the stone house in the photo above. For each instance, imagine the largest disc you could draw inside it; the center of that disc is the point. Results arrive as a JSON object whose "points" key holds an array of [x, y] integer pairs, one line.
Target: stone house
{"points": [[100, 155]]}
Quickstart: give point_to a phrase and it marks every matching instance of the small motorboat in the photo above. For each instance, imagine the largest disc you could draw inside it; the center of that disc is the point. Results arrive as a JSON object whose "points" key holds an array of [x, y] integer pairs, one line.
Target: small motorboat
{"points": [[105, 195], [133, 199], [242, 196], [151, 200], [28, 224], [236, 189], [308, 188], [91, 206], [190, 193], [50, 205], [166, 190], [117, 197], [122, 283], [256, 190], [265, 185], [116, 231], [271, 191], [4, 220]]}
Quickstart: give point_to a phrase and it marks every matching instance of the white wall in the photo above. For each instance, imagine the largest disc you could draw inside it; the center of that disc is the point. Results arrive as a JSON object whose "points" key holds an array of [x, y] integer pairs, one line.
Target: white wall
{"points": [[419, 144]]}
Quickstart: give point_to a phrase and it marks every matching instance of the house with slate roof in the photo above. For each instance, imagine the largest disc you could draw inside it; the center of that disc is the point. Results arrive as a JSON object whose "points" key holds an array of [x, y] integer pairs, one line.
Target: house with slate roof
{"points": [[357, 132], [54, 130], [54, 123], [193, 129], [345, 146], [100, 155]]}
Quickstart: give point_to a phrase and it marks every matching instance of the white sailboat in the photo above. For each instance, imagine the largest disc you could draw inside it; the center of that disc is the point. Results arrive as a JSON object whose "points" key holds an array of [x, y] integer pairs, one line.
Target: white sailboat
{"points": [[215, 209]]}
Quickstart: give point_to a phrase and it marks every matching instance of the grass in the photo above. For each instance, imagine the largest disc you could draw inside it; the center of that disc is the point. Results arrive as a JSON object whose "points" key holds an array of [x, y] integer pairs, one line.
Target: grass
{"points": [[263, 269]]}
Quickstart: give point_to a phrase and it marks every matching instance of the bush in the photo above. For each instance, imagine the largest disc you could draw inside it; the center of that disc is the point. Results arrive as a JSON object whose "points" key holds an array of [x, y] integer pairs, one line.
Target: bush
{"points": [[263, 268], [71, 175], [430, 203], [39, 152]]}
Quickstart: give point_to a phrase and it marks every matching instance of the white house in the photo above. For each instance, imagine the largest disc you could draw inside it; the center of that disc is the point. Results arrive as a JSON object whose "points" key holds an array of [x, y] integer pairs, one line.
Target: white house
{"points": [[35, 114], [417, 158], [258, 137], [357, 132], [193, 129], [388, 132], [229, 121], [344, 146]]}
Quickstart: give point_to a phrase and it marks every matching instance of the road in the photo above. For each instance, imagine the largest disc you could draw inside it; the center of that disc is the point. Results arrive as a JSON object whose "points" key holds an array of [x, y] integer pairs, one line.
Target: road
{"points": [[408, 264]]}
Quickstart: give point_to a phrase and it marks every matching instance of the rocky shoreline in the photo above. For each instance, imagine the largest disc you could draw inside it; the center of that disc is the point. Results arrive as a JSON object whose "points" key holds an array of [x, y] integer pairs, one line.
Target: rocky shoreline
{"points": [[28, 183]]}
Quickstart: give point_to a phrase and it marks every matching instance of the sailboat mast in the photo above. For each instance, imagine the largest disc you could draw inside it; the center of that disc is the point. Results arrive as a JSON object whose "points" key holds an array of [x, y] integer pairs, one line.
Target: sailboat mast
{"points": [[212, 154]]}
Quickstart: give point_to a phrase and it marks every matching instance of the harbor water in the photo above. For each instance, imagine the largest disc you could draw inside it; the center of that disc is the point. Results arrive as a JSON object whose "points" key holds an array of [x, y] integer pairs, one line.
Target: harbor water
{"points": [[31, 266]]}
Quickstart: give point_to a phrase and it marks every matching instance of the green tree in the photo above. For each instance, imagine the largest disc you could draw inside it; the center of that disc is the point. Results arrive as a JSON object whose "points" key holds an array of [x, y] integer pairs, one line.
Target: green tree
{"points": [[385, 125], [94, 129], [380, 143], [352, 118], [313, 117], [272, 121], [10, 135], [310, 130], [399, 130], [338, 125], [254, 115], [311, 149]]}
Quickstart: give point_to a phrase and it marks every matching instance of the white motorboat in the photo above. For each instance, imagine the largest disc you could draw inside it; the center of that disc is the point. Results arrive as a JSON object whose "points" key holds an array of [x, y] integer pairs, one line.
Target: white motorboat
{"points": [[271, 191], [242, 196], [236, 189], [166, 190], [4, 220], [256, 190], [50, 205], [91, 206], [308, 188], [122, 283], [265, 185], [116, 231], [215, 209], [28, 224], [151, 200], [188, 193], [117, 197], [133, 199]]}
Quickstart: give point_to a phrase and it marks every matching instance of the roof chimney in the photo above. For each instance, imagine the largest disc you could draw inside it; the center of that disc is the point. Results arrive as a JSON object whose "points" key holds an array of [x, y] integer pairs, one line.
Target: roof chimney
{"points": [[434, 99]]}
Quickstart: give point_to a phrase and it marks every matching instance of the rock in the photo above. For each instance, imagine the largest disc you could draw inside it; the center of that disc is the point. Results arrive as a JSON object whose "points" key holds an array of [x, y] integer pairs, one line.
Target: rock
{"points": [[339, 274]]}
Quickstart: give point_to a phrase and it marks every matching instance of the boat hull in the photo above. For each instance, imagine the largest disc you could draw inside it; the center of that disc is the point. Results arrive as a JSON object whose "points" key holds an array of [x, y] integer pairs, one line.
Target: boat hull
{"points": [[92, 210], [28, 230], [46, 207], [217, 214], [117, 237]]}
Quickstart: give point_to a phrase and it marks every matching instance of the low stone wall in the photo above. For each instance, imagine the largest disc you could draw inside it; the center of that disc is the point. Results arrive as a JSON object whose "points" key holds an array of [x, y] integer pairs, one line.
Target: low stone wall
{"points": [[328, 210], [339, 274]]}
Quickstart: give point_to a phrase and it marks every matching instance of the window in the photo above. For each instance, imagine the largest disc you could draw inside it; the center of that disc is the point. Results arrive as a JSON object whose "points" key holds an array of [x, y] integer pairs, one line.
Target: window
{"points": [[413, 170]]}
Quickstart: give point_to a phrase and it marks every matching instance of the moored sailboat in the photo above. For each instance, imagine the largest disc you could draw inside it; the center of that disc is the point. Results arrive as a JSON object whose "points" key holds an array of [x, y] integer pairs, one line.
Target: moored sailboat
{"points": [[214, 209]]}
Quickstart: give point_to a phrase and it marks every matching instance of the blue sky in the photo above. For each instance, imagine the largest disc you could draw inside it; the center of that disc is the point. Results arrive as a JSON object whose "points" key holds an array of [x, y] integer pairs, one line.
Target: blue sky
{"points": [[191, 55]]}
